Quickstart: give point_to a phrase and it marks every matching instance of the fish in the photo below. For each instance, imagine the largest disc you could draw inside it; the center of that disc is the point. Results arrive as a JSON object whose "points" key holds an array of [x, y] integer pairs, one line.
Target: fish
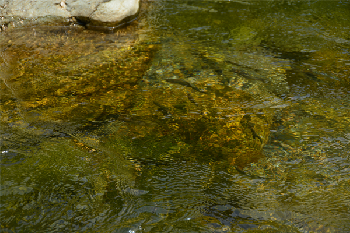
{"points": [[183, 83], [242, 2], [162, 108], [246, 75], [246, 121], [191, 99], [237, 68]]}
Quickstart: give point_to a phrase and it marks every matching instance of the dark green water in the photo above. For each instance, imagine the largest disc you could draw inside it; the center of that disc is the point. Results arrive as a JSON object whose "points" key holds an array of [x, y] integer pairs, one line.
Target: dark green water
{"points": [[225, 116]]}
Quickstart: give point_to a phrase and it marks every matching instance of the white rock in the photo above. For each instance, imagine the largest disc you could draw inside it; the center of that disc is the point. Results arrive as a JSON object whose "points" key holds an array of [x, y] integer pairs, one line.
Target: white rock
{"points": [[34, 8], [115, 10], [93, 12]]}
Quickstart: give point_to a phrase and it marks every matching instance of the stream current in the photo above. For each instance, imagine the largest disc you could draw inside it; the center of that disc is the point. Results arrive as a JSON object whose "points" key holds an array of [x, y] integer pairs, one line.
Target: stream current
{"points": [[223, 116]]}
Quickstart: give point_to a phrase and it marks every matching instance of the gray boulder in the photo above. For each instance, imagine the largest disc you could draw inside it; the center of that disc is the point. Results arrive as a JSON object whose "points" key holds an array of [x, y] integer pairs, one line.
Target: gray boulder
{"points": [[82, 8], [110, 13]]}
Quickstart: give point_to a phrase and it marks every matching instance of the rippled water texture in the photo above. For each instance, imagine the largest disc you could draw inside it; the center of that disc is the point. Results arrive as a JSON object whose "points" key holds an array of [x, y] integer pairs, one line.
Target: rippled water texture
{"points": [[200, 116]]}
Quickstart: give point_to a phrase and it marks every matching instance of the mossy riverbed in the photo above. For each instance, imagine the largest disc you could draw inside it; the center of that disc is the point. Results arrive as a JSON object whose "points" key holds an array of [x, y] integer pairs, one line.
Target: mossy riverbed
{"points": [[210, 116]]}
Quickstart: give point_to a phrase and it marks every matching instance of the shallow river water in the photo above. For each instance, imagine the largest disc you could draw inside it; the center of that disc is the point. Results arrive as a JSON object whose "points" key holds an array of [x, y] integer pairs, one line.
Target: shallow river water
{"points": [[216, 116]]}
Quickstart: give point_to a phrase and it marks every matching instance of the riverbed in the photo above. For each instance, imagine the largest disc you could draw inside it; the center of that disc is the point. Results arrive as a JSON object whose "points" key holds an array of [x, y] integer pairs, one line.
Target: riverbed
{"points": [[216, 116]]}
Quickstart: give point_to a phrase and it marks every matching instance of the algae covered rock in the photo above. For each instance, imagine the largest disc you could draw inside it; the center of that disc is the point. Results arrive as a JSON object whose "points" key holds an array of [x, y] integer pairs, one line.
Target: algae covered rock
{"points": [[70, 75], [223, 110]]}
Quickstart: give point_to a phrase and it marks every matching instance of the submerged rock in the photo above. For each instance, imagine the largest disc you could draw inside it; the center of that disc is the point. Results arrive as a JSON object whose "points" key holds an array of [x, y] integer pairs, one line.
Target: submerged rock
{"points": [[70, 75], [208, 103]]}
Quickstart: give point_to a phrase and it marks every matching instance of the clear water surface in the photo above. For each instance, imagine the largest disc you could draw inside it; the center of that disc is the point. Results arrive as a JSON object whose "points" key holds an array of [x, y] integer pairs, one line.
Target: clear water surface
{"points": [[209, 116]]}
